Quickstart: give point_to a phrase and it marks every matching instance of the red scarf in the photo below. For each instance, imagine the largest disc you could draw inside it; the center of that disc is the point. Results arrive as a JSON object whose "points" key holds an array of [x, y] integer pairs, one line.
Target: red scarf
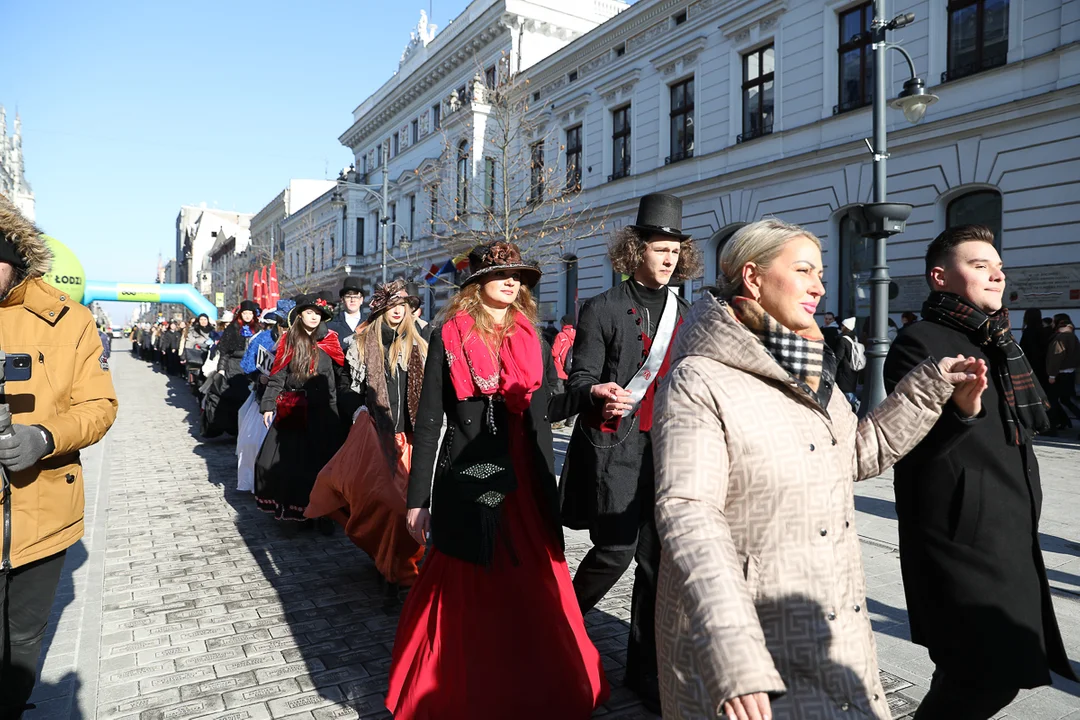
{"points": [[328, 345], [472, 367]]}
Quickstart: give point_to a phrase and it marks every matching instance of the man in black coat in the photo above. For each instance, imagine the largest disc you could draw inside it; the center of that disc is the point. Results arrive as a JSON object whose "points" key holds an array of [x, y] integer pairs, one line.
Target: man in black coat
{"points": [[351, 315], [968, 498], [607, 481]]}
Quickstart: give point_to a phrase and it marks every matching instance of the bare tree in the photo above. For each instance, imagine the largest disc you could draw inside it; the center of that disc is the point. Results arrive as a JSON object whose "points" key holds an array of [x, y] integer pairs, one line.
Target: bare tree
{"points": [[495, 179]]}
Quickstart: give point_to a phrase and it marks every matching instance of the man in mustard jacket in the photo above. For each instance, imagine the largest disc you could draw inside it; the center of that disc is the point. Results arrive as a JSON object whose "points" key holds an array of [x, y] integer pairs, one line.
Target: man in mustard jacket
{"points": [[67, 404]]}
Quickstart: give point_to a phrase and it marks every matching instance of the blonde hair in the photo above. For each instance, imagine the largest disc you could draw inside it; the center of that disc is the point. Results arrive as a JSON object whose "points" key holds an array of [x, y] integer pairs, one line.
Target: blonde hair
{"points": [[468, 300], [759, 243], [406, 337]]}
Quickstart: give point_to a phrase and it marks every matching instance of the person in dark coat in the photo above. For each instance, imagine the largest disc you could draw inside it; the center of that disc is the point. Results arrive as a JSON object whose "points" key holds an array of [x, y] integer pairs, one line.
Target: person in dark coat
{"points": [[850, 360], [231, 348], [299, 409], [351, 315], [1034, 341], [170, 349], [968, 497], [607, 480]]}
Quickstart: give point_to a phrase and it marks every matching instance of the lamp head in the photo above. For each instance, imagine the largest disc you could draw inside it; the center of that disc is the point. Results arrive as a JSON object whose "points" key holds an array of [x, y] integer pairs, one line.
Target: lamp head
{"points": [[913, 100]]}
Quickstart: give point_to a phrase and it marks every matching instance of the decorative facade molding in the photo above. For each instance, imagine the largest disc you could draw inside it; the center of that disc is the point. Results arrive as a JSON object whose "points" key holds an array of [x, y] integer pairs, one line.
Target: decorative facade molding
{"points": [[681, 57]]}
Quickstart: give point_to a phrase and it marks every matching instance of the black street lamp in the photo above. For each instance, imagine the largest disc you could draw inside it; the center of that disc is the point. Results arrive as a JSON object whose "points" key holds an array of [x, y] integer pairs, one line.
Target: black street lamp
{"points": [[881, 219]]}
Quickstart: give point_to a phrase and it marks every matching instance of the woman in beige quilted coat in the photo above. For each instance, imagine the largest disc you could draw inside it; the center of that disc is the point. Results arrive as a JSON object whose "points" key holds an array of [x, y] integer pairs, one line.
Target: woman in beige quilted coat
{"points": [[761, 608]]}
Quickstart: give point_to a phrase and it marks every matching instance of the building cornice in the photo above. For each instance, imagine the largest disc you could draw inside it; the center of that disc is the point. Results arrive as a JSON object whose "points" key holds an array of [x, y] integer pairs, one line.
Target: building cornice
{"points": [[428, 76]]}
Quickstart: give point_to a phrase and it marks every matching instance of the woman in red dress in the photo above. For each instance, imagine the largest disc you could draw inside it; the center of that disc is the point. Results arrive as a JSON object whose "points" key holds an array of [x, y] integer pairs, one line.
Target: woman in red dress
{"points": [[492, 629]]}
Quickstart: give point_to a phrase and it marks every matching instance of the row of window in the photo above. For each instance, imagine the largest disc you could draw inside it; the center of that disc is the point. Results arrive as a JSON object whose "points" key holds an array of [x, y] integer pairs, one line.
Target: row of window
{"points": [[978, 39]]}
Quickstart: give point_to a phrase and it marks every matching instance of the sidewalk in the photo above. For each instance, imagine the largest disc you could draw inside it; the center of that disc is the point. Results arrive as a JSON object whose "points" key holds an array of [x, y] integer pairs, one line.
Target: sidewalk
{"points": [[184, 601]]}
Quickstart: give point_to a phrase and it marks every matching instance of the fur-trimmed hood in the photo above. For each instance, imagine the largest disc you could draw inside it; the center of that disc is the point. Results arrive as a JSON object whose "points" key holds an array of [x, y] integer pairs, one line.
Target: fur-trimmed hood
{"points": [[27, 239]]}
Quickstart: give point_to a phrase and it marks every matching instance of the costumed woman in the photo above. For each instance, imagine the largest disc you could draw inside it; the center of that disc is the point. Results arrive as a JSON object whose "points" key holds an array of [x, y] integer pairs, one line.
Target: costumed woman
{"points": [[229, 393], [300, 411], [364, 486], [256, 364], [196, 347], [491, 628]]}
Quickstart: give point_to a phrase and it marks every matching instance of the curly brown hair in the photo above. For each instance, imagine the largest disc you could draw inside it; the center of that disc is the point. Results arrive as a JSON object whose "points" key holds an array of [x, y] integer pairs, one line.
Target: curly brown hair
{"points": [[627, 248]]}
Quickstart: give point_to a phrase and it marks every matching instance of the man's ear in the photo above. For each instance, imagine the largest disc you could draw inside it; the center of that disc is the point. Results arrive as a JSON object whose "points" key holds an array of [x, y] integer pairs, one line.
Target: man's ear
{"points": [[936, 278]]}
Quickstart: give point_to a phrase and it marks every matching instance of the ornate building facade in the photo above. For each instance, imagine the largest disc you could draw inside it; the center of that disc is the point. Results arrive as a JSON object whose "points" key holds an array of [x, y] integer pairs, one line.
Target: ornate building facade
{"points": [[751, 109], [13, 182]]}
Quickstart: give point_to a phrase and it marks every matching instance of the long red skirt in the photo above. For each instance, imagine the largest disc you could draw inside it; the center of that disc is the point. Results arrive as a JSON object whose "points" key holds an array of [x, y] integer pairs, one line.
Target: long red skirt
{"points": [[501, 642], [358, 490]]}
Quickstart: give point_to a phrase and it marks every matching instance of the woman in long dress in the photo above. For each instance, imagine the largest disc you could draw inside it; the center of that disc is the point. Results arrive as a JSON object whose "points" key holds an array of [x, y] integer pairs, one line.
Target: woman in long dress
{"points": [[492, 629], [364, 486], [300, 411]]}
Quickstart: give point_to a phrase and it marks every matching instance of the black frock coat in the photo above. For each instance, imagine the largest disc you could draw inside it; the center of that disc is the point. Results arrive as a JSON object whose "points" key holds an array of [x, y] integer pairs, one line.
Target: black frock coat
{"points": [[467, 440], [968, 505], [607, 481]]}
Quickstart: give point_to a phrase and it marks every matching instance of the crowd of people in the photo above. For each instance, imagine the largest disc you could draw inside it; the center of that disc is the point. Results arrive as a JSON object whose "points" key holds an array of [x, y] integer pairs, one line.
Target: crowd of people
{"points": [[716, 445]]}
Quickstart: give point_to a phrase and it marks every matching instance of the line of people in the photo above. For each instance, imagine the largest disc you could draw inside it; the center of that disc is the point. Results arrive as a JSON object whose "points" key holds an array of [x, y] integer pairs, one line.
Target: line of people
{"points": [[716, 446]]}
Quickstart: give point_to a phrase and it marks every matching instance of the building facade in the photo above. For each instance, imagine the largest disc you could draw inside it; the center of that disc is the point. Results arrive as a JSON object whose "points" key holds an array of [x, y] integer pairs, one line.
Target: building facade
{"points": [[267, 237], [197, 230], [747, 110], [437, 100], [761, 108], [13, 184]]}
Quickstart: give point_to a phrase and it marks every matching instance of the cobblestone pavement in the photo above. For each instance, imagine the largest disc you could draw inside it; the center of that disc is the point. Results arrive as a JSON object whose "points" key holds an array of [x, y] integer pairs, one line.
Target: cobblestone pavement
{"points": [[184, 601]]}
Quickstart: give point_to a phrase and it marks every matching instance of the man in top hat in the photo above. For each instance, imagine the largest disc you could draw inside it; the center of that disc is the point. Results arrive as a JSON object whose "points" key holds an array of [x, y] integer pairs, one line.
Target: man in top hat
{"points": [[351, 314], [624, 336], [426, 328]]}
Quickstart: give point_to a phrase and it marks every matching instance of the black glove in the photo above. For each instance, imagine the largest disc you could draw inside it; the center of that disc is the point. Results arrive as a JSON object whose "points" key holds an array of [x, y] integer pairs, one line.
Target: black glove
{"points": [[23, 446]]}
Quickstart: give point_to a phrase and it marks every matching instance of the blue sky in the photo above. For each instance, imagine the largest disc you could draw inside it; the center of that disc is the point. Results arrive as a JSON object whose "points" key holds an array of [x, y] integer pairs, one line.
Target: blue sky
{"points": [[132, 109]]}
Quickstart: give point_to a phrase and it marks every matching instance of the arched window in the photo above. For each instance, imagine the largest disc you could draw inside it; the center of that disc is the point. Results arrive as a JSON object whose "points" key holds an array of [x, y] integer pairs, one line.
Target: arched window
{"points": [[463, 178], [856, 261], [978, 207], [718, 240], [570, 288]]}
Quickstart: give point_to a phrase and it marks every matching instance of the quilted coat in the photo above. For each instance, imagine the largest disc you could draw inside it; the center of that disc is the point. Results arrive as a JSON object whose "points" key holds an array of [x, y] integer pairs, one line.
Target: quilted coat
{"points": [[761, 584]]}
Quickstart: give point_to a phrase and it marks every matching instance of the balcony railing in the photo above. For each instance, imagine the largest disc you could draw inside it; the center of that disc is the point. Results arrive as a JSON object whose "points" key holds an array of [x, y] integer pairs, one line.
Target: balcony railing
{"points": [[755, 133], [962, 71], [850, 105], [679, 156]]}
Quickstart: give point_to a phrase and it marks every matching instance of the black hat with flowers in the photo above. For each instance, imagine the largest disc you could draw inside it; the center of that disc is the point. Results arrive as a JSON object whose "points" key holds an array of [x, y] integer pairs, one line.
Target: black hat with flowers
{"points": [[312, 301], [391, 295], [499, 256]]}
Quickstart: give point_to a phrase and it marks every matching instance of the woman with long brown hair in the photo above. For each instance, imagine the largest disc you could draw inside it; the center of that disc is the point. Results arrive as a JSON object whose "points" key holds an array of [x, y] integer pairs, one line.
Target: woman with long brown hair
{"points": [[491, 628], [364, 486], [300, 409]]}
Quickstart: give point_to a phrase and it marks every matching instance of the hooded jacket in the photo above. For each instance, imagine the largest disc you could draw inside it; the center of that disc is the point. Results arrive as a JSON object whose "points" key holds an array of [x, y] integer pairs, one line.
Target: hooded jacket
{"points": [[761, 585], [70, 395]]}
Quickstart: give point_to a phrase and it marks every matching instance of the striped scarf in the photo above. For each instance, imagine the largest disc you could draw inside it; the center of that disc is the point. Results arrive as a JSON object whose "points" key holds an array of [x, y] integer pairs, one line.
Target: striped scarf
{"points": [[1024, 402], [803, 355]]}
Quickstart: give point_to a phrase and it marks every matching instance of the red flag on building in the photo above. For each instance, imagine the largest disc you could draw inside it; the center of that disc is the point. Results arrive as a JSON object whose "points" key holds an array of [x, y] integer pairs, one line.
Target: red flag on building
{"points": [[256, 290], [275, 293], [247, 285], [264, 286]]}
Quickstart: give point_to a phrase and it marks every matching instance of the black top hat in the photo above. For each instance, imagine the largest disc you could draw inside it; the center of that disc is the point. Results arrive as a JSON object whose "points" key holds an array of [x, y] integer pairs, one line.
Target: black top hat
{"points": [[496, 256], [314, 301], [249, 305], [351, 284], [660, 214]]}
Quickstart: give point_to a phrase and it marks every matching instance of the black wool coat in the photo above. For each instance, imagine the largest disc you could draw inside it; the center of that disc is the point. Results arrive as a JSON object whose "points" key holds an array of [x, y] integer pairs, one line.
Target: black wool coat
{"points": [[968, 505], [607, 483], [344, 332], [467, 440]]}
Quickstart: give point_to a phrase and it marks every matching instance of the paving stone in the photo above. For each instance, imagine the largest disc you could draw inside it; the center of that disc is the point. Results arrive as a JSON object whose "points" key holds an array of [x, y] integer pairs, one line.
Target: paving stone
{"points": [[249, 663], [305, 702], [292, 670], [337, 676], [176, 679], [137, 705], [210, 658], [218, 686], [262, 693]]}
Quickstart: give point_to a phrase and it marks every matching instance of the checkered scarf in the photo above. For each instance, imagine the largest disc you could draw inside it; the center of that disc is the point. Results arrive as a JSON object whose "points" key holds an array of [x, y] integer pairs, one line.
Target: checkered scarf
{"points": [[1023, 400], [805, 357]]}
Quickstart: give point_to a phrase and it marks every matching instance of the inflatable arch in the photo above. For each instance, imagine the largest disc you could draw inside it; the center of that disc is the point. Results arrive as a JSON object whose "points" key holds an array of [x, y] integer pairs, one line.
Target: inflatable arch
{"points": [[67, 274]]}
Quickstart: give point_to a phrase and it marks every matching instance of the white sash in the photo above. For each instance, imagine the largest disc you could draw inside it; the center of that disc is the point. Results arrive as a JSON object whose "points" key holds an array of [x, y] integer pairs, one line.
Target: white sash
{"points": [[646, 374]]}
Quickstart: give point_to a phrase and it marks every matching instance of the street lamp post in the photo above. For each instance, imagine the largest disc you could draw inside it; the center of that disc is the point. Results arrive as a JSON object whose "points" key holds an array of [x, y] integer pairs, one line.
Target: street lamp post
{"points": [[881, 219], [384, 197]]}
